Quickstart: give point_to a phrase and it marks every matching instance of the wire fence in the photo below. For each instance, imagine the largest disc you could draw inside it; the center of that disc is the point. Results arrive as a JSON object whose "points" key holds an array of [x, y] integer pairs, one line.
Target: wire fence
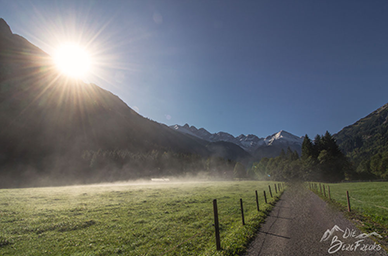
{"points": [[323, 190], [368, 203]]}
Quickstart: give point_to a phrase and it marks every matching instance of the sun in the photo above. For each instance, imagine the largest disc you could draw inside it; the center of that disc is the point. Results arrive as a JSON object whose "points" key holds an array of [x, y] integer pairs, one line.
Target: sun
{"points": [[72, 60]]}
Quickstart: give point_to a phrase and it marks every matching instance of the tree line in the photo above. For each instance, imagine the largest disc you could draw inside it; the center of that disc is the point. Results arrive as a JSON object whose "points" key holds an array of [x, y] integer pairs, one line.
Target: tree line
{"points": [[123, 164], [375, 167], [321, 160]]}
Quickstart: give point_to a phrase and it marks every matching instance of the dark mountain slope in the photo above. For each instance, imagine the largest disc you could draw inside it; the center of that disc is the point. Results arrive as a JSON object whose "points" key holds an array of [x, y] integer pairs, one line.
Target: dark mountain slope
{"points": [[366, 144], [48, 120], [229, 150], [367, 136], [275, 149], [36, 98]]}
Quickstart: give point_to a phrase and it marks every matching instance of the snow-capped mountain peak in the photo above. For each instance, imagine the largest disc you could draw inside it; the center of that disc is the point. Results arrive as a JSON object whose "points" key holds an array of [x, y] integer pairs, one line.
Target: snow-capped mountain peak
{"points": [[283, 137]]}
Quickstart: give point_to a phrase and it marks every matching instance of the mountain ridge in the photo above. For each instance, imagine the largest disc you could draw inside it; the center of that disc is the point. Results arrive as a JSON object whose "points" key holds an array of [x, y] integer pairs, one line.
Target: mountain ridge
{"points": [[355, 135], [5, 29], [248, 142]]}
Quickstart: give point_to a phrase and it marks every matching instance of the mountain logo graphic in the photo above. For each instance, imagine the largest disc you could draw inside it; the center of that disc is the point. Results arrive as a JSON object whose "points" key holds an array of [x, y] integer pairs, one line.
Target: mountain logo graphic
{"points": [[328, 233]]}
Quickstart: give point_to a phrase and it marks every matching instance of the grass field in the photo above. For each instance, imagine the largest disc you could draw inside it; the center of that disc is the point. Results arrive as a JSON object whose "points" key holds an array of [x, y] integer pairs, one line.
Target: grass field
{"points": [[368, 198], [129, 219], [369, 205]]}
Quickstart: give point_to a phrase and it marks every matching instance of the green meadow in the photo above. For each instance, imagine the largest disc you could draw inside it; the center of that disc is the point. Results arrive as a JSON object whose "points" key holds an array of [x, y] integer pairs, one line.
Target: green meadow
{"points": [[367, 198], [130, 219]]}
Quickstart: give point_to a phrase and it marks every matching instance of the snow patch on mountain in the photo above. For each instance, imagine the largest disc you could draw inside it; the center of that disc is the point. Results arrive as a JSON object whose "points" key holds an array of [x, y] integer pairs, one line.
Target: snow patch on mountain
{"points": [[250, 141], [283, 137]]}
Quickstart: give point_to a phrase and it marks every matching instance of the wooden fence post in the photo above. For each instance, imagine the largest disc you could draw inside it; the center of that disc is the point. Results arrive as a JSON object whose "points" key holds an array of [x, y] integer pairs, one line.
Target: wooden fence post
{"points": [[257, 201], [328, 188], [347, 197], [216, 225], [270, 192], [265, 197], [324, 190], [276, 190], [320, 188], [242, 211]]}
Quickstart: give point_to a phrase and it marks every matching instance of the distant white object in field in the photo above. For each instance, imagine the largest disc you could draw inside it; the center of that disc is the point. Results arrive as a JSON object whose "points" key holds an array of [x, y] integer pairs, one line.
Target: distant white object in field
{"points": [[160, 179]]}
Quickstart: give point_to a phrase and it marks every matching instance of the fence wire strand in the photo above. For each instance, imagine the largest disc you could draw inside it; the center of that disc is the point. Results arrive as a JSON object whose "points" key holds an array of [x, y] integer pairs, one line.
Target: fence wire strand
{"points": [[382, 207]]}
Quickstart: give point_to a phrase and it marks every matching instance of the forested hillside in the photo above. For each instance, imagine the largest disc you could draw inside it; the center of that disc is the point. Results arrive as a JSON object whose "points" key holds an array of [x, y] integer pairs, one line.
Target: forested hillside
{"points": [[366, 144]]}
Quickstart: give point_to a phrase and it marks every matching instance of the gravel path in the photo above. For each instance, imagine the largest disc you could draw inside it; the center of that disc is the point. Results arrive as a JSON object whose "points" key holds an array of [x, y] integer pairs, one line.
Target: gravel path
{"points": [[298, 223]]}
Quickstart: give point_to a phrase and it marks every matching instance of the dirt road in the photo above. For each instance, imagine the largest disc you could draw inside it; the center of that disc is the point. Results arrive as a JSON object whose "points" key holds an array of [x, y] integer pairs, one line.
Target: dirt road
{"points": [[298, 226]]}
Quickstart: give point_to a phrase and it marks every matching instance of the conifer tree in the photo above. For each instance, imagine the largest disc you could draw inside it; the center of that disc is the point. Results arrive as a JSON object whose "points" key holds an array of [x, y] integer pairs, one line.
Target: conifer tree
{"points": [[295, 156], [282, 154], [289, 154], [307, 148], [317, 146]]}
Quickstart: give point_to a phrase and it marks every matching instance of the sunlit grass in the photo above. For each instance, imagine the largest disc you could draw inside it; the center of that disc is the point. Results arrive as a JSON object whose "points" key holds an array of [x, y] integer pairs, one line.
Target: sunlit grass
{"points": [[148, 219], [369, 198]]}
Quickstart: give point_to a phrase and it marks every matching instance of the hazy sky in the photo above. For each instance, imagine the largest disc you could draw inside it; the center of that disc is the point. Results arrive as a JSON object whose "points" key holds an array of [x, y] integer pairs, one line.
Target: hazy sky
{"points": [[243, 67]]}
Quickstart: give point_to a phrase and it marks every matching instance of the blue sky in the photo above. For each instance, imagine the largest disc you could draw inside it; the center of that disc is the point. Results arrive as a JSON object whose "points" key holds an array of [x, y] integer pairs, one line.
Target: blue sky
{"points": [[243, 67]]}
